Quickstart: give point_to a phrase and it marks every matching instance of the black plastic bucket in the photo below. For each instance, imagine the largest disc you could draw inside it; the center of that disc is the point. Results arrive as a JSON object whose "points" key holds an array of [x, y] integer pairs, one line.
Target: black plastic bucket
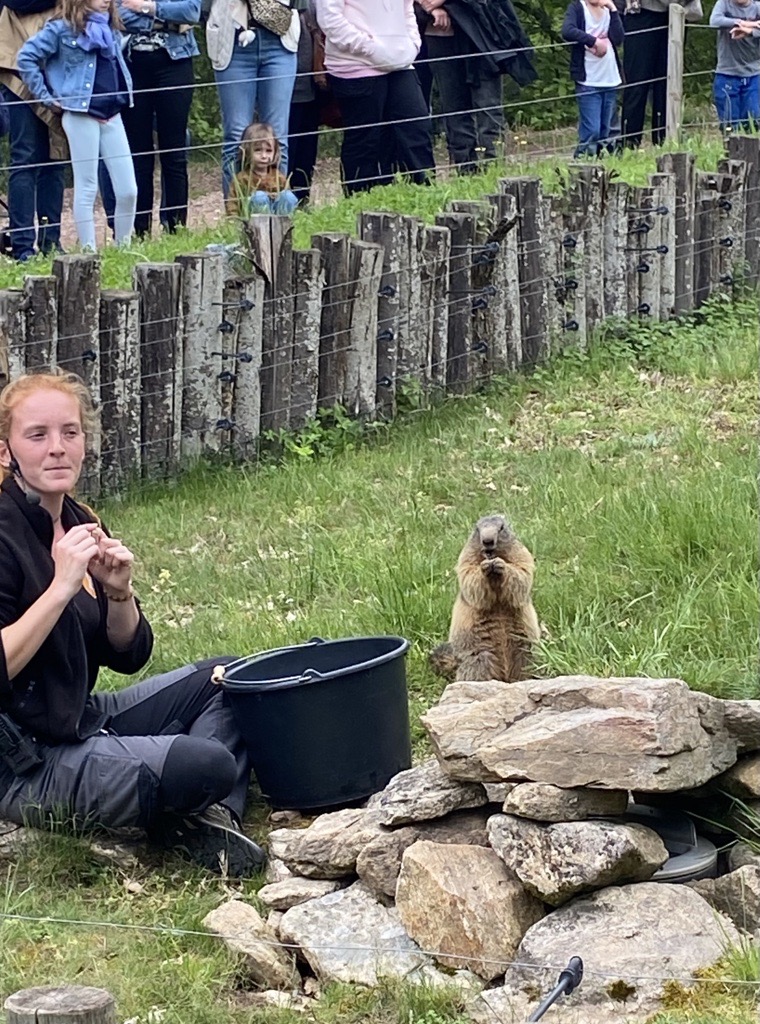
{"points": [[326, 722]]}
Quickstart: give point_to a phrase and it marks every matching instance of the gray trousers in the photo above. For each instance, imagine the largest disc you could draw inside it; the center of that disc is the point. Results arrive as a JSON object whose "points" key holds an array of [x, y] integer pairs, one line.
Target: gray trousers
{"points": [[114, 778]]}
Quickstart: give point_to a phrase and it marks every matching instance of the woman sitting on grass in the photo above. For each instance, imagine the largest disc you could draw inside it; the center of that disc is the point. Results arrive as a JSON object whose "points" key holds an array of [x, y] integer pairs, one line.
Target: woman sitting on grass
{"points": [[164, 754], [260, 186]]}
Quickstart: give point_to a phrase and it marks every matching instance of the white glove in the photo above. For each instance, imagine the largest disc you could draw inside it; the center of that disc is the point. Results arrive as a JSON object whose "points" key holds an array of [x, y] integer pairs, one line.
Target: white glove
{"points": [[246, 36]]}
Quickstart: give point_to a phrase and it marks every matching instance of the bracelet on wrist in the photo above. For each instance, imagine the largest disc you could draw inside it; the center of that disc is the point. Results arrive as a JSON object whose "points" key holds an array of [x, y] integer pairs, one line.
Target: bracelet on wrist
{"points": [[118, 598]]}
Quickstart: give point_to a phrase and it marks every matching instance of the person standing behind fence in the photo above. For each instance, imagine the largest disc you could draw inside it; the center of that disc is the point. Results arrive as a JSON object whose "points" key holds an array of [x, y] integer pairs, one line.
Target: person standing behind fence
{"points": [[252, 46], [737, 76], [37, 141], [260, 187], [160, 50], [303, 127], [645, 64], [370, 46], [75, 64], [597, 30]]}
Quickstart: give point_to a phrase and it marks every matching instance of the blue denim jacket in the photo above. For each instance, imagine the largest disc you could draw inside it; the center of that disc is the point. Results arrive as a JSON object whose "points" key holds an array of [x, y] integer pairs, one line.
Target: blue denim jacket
{"points": [[58, 71], [183, 12]]}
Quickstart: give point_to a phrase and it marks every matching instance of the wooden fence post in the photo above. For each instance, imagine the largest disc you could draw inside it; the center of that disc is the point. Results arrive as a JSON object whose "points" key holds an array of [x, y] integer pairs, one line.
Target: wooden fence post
{"points": [[533, 302], [61, 1004], [335, 324], [119, 388], [366, 270], [574, 268], [41, 322], [747, 148], [664, 186], [650, 256], [309, 280], [507, 352], [462, 228], [615, 257], [682, 167], [241, 394], [159, 286], [13, 333], [706, 241], [483, 297], [79, 342], [412, 347], [674, 99], [434, 275], [734, 217], [588, 199], [202, 313]]}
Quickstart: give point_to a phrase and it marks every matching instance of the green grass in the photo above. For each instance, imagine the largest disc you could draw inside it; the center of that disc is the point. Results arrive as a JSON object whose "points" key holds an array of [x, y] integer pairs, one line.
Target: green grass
{"points": [[629, 472]]}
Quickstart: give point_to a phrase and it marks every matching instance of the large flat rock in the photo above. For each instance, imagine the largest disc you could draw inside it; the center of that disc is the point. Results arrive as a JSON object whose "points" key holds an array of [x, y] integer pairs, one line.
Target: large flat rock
{"points": [[423, 793], [649, 735]]}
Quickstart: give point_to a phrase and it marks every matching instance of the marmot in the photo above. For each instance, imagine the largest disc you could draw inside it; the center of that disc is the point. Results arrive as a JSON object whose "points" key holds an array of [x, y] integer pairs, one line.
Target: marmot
{"points": [[494, 623]]}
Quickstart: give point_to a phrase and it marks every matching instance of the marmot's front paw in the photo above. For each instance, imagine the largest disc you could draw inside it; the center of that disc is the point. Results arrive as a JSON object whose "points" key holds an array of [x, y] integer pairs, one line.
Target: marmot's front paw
{"points": [[494, 566]]}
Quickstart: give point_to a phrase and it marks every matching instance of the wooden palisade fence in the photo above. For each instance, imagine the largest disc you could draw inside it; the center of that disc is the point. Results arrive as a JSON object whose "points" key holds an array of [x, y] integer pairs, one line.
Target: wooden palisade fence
{"points": [[194, 361]]}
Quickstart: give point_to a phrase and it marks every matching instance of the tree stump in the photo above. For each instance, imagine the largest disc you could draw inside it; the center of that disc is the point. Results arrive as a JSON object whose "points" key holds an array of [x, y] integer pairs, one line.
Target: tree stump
{"points": [[61, 1004]]}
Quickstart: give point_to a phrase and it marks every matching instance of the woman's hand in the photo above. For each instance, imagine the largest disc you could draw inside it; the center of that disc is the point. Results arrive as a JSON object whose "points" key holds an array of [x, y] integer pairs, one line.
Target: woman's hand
{"points": [[600, 47], [112, 564], [72, 554], [136, 6], [431, 5], [441, 19]]}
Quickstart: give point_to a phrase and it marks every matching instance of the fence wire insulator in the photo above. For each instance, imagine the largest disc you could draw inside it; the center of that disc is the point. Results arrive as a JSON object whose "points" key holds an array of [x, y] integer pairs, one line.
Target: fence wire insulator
{"points": [[641, 228], [384, 382], [726, 279], [225, 327], [386, 335], [727, 243], [245, 304], [227, 376], [570, 325], [486, 253], [725, 204], [225, 424], [387, 292], [88, 356], [644, 308], [659, 210], [569, 242], [479, 346], [479, 302], [244, 357], [642, 267]]}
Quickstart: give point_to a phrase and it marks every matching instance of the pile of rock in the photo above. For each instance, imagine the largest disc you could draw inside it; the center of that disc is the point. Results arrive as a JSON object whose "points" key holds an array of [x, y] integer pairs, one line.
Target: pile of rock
{"points": [[509, 852]]}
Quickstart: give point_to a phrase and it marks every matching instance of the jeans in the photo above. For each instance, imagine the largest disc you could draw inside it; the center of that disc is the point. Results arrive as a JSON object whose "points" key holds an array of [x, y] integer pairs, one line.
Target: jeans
{"points": [[88, 141], [471, 103], [169, 85], [737, 100], [369, 153], [283, 203], [35, 185], [303, 130], [596, 109], [259, 78], [645, 65]]}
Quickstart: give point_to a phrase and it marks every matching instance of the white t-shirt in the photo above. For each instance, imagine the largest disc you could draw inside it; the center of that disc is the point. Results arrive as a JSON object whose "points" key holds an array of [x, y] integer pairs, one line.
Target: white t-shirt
{"points": [[602, 72]]}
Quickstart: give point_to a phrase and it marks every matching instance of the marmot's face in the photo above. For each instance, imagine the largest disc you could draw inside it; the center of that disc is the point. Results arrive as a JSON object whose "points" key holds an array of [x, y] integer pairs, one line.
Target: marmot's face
{"points": [[492, 533]]}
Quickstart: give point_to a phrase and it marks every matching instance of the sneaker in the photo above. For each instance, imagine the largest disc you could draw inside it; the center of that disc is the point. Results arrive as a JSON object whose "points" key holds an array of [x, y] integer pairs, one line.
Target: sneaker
{"points": [[213, 839]]}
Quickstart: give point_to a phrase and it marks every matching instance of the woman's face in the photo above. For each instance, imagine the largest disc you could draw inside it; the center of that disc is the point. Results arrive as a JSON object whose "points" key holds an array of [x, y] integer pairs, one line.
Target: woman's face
{"points": [[47, 441]]}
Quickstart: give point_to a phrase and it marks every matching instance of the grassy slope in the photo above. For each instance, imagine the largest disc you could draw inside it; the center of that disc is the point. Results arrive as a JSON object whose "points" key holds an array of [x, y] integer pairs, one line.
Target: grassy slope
{"points": [[629, 473]]}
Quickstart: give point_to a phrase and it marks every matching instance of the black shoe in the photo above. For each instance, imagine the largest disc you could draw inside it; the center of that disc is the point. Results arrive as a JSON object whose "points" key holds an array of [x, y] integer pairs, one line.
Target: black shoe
{"points": [[213, 839]]}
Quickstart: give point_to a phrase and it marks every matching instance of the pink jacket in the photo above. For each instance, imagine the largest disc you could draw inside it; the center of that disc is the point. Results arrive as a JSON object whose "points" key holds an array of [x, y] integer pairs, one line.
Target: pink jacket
{"points": [[368, 37]]}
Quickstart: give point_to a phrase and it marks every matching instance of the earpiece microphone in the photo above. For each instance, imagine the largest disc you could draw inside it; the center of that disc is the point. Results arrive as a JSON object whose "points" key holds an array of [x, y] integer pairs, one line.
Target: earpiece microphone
{"points": [[32, 497]]}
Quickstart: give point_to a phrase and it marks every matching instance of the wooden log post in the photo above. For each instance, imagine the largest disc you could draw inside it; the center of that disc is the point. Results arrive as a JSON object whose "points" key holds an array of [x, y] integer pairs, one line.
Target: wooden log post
{"points": [[615, 241], [664, 186], [159, 286], [650, 256], [747, 148], [507, 342], [387, 230], [588, 199], [674, 96], [270, 241], [554, 265], [308, 283], [202, 313], [484, 292], [12, 333], [119, 388], [240, 422], [366, 271], [706, 242], [462, 228], [335, 323], [533, 300], [683, 167], [574, 269], [78, 280], [61, 1004], [412, 340], [732, 205], [41, 322], [435, 296]]}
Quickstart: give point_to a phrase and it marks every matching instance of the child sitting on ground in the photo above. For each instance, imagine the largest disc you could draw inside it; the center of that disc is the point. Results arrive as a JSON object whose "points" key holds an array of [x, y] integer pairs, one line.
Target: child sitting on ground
{"points": [[596, 28], [737, 76], [260, 187]]}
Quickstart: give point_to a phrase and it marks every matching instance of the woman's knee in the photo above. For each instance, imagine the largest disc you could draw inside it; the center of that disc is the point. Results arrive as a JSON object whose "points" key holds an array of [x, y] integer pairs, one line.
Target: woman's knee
{"points": [[197, 772]]}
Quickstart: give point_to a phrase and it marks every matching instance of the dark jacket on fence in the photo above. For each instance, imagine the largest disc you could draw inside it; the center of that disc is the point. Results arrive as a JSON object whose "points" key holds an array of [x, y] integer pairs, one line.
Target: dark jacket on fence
{"points": [[574, 31], [495, 29], [50, 695]]}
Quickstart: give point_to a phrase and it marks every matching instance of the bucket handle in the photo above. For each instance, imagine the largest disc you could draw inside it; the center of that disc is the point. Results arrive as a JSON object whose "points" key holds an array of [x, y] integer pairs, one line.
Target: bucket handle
{"points": [[218, 672]]}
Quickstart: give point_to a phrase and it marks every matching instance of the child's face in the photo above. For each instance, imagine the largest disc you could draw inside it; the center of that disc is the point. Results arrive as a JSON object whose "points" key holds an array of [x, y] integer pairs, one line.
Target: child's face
{"points": [[101, 6], [262, 153]]}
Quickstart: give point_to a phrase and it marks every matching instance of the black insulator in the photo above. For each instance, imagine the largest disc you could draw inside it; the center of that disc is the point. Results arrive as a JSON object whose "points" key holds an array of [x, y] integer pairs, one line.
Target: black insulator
{"points": [[384, 382], [726, 242], [570, 325], [225, 424], [227, 376], [88, 356], [225, 327], [480, 346], [642, 268], [569, 242], [386, 335], [387, 291], [644, 308]]}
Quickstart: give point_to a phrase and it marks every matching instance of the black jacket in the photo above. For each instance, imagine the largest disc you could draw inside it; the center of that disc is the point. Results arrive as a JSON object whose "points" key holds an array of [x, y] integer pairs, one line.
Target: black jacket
{"points": [[574, 31], [50, 696], [494, 28]]}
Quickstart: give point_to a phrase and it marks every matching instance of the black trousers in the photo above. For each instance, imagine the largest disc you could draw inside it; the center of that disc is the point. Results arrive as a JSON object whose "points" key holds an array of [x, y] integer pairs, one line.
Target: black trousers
{"points": [[170, 93], [386, 125], [303, 140], [645, 66]]}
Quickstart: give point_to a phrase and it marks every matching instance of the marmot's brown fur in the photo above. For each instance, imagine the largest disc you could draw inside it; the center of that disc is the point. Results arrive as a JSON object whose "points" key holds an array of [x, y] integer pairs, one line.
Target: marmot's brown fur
{"points": [[494, 623]]}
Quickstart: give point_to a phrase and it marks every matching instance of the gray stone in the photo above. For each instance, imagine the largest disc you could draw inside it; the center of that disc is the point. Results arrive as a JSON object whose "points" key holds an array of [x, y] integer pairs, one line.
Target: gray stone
{"points": [[743, 779], [742, 720], [379, 863], [328, 848], [542, 802], [244, 931], [348, 936], [274, 917], [423, 793], [497, 792], [651, 735], [737, 895], [462, 902], [742, 854], [557, 862], [14, 839], [292, 891], [633, 940], [276, 870]]}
